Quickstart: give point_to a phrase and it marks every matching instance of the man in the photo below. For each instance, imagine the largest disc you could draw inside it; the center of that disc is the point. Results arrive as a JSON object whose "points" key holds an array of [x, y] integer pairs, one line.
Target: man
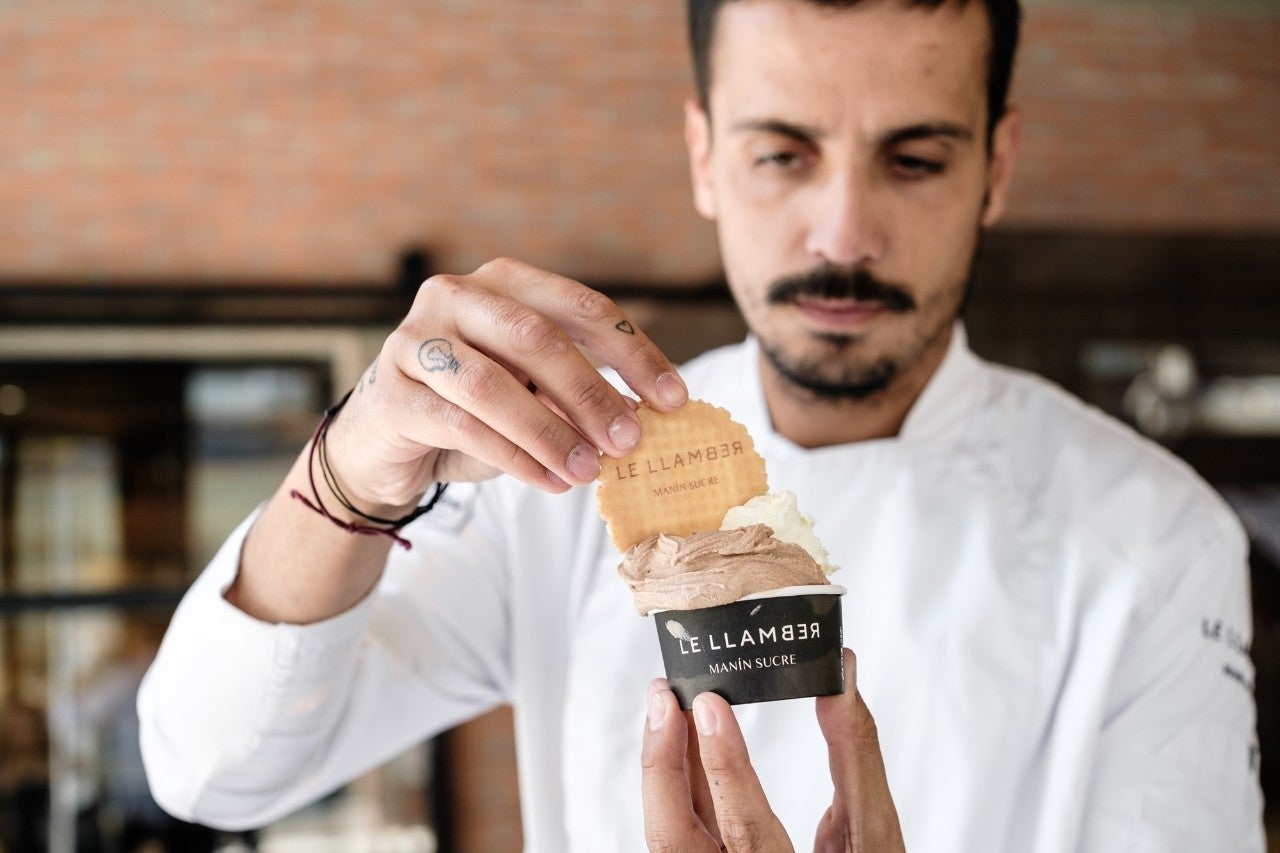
{"points": [[1027, 579]]}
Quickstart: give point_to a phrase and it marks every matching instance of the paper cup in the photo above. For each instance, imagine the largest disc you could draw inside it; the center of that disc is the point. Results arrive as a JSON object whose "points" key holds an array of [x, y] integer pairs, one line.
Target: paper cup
{"points": [[781, 644]]}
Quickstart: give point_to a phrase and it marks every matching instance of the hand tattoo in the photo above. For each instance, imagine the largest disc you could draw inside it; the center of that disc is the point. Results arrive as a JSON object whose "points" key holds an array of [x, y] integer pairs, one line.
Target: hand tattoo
{"points": [[626, 328], [436, 355], [369, 377]]}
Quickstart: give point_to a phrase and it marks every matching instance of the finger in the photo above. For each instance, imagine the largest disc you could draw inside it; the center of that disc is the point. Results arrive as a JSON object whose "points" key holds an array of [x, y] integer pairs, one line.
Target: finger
{"points": [[670, 822], [596, 322], [545, 399], [452, 427], [699, 788], [533, 344], [421, 418], [862, 811], [496, 415], [745, 820], [845, 718], [533, 349]]}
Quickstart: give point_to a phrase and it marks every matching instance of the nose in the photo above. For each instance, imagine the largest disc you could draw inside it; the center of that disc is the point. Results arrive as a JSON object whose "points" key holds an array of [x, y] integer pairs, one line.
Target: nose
{"points": [[846, 227]]}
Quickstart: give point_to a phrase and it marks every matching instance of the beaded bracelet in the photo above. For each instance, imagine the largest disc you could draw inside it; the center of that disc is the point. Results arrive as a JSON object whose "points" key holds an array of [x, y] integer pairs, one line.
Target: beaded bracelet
{"points": [[319, 453]]}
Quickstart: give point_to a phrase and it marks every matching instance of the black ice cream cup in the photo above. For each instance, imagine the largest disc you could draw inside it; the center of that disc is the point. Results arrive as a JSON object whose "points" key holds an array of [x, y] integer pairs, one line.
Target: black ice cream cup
{"points": [[781, 644]]}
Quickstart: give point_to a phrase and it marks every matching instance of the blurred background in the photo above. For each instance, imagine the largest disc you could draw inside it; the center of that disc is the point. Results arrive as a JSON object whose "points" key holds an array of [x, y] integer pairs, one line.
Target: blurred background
{"points": [[212, 213]]}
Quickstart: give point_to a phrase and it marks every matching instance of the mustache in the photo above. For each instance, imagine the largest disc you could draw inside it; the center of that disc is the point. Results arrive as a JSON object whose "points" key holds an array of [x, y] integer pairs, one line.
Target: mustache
{"points": [[831, 282]]}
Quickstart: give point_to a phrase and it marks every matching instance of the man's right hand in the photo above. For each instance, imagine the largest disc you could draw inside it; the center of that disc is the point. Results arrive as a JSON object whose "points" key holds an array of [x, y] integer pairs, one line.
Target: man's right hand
{"points": [[483, 376]]}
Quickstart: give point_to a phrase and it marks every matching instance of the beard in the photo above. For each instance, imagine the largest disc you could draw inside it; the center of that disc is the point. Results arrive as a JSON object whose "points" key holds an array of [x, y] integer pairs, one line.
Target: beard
{"points": [[836, 374], [816, 377]]}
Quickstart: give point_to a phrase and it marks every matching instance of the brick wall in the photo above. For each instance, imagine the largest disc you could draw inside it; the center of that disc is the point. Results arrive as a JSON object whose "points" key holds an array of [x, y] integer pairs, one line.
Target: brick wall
{"points": [[1150, 116], [311, 140]]}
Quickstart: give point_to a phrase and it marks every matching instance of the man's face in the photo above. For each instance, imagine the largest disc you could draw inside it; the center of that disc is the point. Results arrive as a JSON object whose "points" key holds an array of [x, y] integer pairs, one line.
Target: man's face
{"points": [[846, 166]]}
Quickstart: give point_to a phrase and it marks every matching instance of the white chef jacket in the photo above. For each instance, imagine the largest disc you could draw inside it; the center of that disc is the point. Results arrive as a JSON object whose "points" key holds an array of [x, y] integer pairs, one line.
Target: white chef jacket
{"points": [[1050, 613]]}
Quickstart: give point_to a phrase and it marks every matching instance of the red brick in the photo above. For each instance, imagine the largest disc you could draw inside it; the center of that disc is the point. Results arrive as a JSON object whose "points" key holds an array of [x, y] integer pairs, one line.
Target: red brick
{"points": [[314, 139]]}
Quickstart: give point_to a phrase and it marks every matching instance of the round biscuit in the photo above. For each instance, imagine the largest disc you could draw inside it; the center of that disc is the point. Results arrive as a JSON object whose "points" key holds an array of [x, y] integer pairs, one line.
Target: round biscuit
{"points": [[690, 467]]}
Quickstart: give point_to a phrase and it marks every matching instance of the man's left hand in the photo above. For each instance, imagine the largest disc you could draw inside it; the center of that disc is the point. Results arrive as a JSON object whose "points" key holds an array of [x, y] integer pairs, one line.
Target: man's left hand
{"points": [[702, 794]]}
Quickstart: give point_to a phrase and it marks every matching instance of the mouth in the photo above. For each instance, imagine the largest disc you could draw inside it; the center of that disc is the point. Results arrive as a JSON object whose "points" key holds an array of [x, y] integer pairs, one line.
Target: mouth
{"points": [[840, 315]]}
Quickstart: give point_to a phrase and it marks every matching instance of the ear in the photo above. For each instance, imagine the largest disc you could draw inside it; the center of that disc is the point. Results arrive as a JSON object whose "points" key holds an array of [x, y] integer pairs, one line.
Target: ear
{"points": [[1005, 141], [697, 138]]}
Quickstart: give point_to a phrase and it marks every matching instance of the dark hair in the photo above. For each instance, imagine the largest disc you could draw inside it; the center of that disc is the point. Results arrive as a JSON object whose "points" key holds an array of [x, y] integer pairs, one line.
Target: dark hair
{"points": [[1004, 15]]}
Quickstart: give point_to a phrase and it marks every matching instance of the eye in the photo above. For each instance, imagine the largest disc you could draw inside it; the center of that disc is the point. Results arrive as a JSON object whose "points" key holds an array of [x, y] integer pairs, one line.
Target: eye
{"points": [[912, 168], [783, 161]]}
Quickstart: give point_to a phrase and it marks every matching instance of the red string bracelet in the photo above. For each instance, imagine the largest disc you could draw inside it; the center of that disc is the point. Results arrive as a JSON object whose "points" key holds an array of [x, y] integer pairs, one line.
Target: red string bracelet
{"points": [[319, 453]]}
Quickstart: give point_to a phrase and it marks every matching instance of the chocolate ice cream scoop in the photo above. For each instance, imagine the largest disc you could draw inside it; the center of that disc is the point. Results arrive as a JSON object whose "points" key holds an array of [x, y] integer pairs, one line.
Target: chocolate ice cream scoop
{"points": [[715, 567]]}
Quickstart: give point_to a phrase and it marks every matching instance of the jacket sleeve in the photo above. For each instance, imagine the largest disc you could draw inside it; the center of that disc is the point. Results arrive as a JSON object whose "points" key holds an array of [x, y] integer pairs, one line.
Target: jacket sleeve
{"points": [[1177, 762], [243, 721]]}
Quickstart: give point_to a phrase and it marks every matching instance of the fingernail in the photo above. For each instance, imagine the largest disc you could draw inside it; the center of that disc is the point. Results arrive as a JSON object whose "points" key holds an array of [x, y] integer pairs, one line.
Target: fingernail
{"points": [[704, 717], [584, 463], [624, 432], [671, 390], [657, 710]]}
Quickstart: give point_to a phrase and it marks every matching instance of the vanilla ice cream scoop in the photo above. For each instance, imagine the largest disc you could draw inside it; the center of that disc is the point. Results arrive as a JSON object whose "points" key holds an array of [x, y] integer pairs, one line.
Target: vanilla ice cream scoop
{"points": [[778, 512]]}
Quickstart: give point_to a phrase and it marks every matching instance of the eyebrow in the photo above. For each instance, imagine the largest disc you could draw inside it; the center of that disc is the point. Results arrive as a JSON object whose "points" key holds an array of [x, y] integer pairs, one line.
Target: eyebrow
{"points": [[798, 132], [809, 133], [929, 130]]}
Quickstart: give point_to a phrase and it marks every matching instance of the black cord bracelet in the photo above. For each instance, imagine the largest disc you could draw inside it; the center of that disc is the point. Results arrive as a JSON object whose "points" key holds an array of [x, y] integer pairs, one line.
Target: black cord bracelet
{"points": [[318, 453]]}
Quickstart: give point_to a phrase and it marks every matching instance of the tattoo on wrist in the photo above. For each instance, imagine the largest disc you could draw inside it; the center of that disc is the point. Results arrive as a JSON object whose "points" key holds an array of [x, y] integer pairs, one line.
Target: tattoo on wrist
{"points": [[436, 356], [369, 377], [626, 328]]}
